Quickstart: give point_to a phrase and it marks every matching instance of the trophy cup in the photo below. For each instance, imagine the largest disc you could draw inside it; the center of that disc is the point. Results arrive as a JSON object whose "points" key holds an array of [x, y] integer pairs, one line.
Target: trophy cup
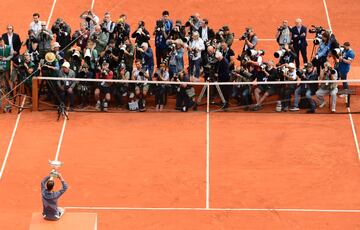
{"points": [[55, 165]]}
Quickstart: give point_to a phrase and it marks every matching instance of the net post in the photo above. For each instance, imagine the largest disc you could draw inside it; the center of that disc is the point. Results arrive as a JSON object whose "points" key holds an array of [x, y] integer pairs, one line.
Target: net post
{"points": [[35, 92]]}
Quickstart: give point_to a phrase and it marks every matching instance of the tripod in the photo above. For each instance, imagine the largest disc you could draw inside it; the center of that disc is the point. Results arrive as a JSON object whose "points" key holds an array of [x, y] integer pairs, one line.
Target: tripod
{"points": [[61, 108]]}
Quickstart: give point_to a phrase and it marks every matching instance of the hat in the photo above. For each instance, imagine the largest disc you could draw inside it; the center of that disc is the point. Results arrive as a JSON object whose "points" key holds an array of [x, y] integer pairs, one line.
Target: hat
{"points": [[76, 53], [66, 65], [346, 43], [56, 45], [225, 28], [50, 57], [292, 65]]}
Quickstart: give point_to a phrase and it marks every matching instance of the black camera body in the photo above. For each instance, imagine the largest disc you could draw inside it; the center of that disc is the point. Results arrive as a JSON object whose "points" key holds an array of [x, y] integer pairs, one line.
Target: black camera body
{"points": [[160, 25], [244, 36]]}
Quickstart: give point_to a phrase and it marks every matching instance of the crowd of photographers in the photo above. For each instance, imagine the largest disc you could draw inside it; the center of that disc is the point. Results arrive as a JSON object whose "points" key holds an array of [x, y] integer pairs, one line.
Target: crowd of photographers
{"points": [[106, 49]]}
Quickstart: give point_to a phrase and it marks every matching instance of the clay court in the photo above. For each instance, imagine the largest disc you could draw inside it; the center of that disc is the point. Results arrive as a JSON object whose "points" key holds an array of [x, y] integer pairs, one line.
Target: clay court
{"points": [[193, 170]]}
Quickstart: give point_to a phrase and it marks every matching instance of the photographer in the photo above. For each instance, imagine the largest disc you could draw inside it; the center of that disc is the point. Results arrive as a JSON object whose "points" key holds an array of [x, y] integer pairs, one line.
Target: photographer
{"points": [[90, 19], [101, 38], [283, 34], [269, 74], [127, 52], [66, 88], [35, 25], [31, 38], [322, 52], [242, 93], [122, 30], [185, 96], [83, 87], [111, 55], [109, 25], [141, 89], [13, 40], [328, 73], [225, 35], [228, 54], [147, 59], [160, 89], [250, 39], [162, 32], [59, 54], [63, 33], [193, 23], [23, 67], [51, 211], [34, 53], [195, 48], [298, 33], [206, 33], [49, 67], [177, 32], [141, 35], [91, 56], [176, 61], [309, 74], [103, 87], [44, 37], [75, 60], [223, 75], [345, 60], [286, 55], [121, 89], [81, 36], [287, 74], [6, 84]]}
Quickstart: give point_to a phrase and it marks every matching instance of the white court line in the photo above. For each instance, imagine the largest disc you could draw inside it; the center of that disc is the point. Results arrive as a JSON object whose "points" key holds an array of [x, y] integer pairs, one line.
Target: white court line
{"points": [[208, 149], [327, 14], [354, 133], [219, 209], [60, 140], [92, 4], [51, 13], [95, 225], [11, 140], [349, 111]]}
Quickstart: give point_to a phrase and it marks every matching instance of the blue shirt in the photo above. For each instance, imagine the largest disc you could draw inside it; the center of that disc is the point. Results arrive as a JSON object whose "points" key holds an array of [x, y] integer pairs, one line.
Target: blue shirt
{"points": [[344, 68], [148, 57], [323, 50], [49, 198]]}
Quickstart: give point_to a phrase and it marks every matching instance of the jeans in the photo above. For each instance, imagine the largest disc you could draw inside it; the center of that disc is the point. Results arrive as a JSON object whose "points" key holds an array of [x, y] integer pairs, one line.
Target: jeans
{"points": [[150, 69], [196, 64], [322, 92], [285, 95], [308, 96], [245, 96], [343, 76]]}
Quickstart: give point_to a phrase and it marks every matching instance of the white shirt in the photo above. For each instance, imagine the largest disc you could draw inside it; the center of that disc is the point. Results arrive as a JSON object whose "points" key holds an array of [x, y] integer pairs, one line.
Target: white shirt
{"points": [[292, 75], [199, 45], [10, 36], [204, 33], [36, 27]]}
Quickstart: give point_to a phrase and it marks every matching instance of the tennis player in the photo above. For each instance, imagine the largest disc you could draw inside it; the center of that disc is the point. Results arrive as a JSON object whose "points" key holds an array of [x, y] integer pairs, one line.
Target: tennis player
{"points": [[51, 211]]}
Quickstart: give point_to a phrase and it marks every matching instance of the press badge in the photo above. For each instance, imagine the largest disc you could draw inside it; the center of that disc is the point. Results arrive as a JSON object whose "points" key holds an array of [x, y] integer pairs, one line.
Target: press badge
{"points": [[67, 83], [102, 83]]}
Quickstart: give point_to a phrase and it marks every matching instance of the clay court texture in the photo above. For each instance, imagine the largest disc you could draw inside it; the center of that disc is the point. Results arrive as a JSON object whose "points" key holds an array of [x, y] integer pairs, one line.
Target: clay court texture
{"points": [[193, 170]]}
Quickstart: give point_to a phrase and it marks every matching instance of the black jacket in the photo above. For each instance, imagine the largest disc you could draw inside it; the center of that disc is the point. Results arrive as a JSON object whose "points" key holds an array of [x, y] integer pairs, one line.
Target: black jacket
{"points": [[210, 32], [15, 41], [297, 39]]}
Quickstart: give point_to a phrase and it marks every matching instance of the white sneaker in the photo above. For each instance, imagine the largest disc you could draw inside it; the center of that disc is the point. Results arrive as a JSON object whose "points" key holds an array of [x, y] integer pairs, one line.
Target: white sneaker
{"points": [[342, 95], [294, 109], [322, 104], [333, 110]]}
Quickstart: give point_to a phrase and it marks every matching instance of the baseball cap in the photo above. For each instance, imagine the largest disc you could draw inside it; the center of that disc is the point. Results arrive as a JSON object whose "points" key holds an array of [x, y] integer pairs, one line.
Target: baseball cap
{"points": [[66, 65], [292, 65]]}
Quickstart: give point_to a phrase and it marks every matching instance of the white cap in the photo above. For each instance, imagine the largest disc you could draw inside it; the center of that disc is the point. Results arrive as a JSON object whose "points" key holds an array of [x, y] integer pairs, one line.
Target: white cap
{"points": [[292, 65], [56, 45], [66, 65]]}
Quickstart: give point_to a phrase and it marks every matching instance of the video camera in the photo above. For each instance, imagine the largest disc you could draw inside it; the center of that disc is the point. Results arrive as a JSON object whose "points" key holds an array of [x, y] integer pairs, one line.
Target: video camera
{"points": [[317, 30], [337, 52]]}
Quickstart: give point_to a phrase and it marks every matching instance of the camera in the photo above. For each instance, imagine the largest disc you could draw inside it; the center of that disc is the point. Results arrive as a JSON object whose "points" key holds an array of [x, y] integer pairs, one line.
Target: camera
{"points": [[283, 70], [244, 36], [255, 53], [281, 28], [317, 39], [317, 30], [279, 53], [108, 51], [263, 67], [190, 21], [104, 73], [241, 75], [160, 25], [337, 52]]}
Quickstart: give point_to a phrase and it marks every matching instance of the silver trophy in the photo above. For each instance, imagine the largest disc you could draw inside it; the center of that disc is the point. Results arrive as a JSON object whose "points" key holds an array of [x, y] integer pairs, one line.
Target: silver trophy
{"points": [[55, 165]]}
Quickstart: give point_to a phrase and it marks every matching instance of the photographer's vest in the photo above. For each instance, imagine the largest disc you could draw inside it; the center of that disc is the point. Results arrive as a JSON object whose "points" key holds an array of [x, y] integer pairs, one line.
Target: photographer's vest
{"points": [[5, 52]]}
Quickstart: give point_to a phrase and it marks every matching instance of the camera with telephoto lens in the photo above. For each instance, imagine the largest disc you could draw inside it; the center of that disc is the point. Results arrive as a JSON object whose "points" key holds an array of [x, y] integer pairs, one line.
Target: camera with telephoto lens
{"points": [[244, 36], [317, 30], [122, 49], [279, 53], [282, 70], [104, 73], [337, 52], [255, 53], [241, 75], [108, 51], [160, 25], [190, 21]]}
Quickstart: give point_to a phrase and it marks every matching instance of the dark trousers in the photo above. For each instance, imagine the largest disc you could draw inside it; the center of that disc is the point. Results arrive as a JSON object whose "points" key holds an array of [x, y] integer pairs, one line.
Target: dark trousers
{"points": [[285, 94], [71, 97], [160, 56], [303, 51]]}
